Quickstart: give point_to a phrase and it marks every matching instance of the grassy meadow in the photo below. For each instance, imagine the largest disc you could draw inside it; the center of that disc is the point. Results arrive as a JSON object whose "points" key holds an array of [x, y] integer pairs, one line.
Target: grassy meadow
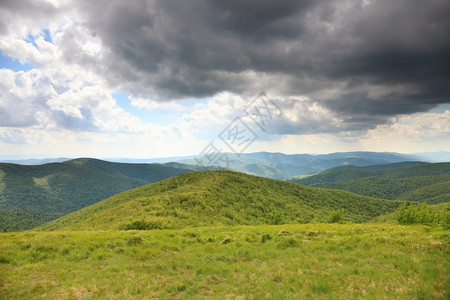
{"points": [[312, 261]]}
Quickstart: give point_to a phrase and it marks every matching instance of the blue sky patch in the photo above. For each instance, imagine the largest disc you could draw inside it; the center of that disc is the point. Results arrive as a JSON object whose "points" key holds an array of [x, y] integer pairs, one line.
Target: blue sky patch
{"points": [[157, 116], [44, 33], [440, 109], [8, 62], [47, 36]]}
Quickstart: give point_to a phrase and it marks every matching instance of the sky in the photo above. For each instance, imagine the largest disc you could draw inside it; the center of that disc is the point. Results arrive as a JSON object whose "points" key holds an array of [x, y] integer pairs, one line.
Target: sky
{"points": [[159, 78]]}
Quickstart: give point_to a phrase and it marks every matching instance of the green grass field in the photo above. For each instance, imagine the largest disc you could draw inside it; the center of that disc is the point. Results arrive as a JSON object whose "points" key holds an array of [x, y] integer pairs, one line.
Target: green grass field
{"points": [[312, 261]]}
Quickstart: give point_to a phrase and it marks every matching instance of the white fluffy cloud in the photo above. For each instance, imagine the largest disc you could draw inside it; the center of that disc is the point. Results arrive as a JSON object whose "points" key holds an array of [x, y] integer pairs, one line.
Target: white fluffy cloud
{"points": [[41, 98], [150, 104], [61, 92], [418, 126]]}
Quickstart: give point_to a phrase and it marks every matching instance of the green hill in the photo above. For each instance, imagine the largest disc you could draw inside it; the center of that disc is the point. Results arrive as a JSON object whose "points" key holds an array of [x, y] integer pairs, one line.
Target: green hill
{"points": [[430, 189], [211, 198], [412, 181], [32, 195]]}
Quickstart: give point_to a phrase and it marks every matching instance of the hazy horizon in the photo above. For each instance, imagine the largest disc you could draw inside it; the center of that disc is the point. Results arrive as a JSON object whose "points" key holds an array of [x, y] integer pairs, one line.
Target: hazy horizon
{"points": [[435, 156]]}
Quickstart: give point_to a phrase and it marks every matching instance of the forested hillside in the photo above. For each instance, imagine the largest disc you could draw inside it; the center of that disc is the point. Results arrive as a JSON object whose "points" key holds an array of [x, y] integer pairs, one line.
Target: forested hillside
{"points": [[412, 181], [31, 195]]}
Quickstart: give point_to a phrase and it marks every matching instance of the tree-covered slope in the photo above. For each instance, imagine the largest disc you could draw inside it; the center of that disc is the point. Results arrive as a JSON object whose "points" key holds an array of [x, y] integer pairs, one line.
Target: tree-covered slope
{"points": [[433, 193], [219, 198], [18, 220], [430, 189], [422, 182], [45, 192], [394, 170]]}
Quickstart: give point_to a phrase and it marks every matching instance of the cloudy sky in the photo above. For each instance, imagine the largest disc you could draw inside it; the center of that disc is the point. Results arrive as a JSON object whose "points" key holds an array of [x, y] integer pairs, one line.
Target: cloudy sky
{"points": [[114, 78]]}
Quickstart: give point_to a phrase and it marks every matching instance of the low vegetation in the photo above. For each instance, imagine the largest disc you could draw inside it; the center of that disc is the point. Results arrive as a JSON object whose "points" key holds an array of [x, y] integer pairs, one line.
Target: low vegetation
{"points": [[313, 261], [336, 216], [409, 213]]}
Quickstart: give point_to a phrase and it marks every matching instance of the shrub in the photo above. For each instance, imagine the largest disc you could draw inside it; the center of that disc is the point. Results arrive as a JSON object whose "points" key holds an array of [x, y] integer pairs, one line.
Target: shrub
{"points": [[265, 237], [134, 241], [445, 219], [143, 225], [421, 214], [336, 216], [276, 218], [4, 260], [285, 243], [226, 241]]}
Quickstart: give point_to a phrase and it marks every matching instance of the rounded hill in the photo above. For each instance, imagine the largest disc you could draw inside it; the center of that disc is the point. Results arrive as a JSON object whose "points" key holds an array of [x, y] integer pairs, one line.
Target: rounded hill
{"points": [[209, 198]]}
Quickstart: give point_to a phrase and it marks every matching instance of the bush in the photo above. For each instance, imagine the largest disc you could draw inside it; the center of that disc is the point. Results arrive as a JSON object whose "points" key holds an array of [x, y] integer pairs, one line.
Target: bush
{"points": [[265, 237], [134, 241], [276, 218], [226, 241], [285, 243], [445, 219], [336, 216], [421, 214], [143, 225]]}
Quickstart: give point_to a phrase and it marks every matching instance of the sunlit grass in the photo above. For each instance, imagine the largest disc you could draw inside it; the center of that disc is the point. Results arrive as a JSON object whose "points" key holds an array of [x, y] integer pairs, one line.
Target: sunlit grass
{"points": [[316, 261]]}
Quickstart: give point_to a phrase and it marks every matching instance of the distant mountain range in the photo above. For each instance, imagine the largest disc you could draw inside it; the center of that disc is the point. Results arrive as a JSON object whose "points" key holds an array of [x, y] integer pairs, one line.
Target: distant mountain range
{"points": [[275, 165], [285, 166], [34, 161], [441, 156]]}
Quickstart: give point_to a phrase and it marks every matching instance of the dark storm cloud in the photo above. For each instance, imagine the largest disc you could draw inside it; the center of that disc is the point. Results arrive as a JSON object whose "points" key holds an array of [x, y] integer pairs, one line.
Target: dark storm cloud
{"points": [[33, 8], [198, 48], [24, 10]]}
